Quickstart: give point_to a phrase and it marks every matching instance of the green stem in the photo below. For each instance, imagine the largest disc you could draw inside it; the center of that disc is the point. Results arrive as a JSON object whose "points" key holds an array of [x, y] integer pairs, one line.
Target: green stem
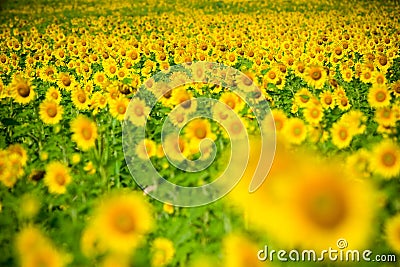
{"points": [[116, 164]]}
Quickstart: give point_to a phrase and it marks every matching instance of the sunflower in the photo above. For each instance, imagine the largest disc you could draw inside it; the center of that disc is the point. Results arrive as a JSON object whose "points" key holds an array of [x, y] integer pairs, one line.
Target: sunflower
{"points": [[303, 97], [48, 73], [295, 131], [100, 78], [325, 207], [146, 149], [231, 58], [232, 100], [383, 62], [15, 166], [197, 130], [88, 87], [110, 68], [176, 147], [113, 92], [21, 90], [246, 82], [165, 67], [327, 99], [343, 103], [315, 76], [137, 112], [90, 243], [347, 75], [198, 73], [121, 220], [221, 113], [379, 97], [50, 112], [236, 128], [357, 164], [163, 252], [379, 78], [313, 114], [118, 107], [133, 55], [20, 151], [182, 96], [355, 121], [29, 239], [385, 159], [366, 75], [392, 230], [341, 135], [57, 177], [65, 81], [299, 68], [386, 116], [395, 88], [98, 101], [44, 256], [80, 99], [280, 119], [272, 76], [53, 94], [161, 56], [84, 132]]}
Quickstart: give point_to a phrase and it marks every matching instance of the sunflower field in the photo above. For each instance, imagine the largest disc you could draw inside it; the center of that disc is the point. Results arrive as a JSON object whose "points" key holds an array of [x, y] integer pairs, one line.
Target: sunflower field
{"points": [[72, 75]]}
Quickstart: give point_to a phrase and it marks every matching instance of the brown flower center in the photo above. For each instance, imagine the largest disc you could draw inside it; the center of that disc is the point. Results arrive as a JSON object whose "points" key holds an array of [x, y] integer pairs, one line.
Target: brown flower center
{"points": [[380, 96], [86, 133], [66, 81], [272, 75], [200, 133], [186, 104], [60, 179], [124, 223], [396, 88], [383, 60], [139, 111], [297, 131], [49, 72], [82, 98], [326, 208], [24, 90], [301, 68], [52, 111], [388, 159], [316, 74], [314, 113], [247, 81], [121, 109], [328, 100], [343, 134]]}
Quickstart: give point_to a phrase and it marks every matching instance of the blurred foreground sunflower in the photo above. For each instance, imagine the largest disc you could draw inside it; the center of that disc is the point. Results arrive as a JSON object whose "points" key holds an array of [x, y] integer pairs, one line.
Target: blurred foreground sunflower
{"points": [[122, 220], [84, 132]]}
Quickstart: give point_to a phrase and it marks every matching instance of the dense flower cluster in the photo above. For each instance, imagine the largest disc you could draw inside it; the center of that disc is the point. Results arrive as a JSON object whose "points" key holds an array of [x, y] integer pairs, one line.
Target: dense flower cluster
{"points": [[329, 71]]}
